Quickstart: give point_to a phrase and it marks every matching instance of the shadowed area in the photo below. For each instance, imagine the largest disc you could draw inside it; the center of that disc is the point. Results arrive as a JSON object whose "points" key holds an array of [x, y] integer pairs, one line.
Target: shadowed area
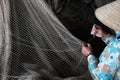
{"points": [[41, 39]]}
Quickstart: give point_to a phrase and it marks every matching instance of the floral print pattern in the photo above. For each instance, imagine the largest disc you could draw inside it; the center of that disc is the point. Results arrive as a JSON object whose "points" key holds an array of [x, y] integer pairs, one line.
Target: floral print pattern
{"points": [[107, 67]]}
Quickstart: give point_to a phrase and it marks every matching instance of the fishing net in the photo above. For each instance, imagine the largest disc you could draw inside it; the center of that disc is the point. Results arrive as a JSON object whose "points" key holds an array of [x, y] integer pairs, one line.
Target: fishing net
{"points": [[34, 45]]}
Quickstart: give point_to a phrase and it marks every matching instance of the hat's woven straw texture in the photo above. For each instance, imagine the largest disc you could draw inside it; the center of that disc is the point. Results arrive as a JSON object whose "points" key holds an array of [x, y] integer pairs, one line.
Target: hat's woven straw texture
{"points": [[110, 15]]}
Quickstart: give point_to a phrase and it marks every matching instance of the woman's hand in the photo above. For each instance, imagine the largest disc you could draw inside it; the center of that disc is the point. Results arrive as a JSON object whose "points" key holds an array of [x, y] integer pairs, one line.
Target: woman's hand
{"points": [[86, 49]]}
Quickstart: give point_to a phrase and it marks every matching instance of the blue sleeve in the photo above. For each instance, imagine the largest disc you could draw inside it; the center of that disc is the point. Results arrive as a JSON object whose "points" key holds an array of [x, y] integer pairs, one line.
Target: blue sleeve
{"points": [[104, 70]]}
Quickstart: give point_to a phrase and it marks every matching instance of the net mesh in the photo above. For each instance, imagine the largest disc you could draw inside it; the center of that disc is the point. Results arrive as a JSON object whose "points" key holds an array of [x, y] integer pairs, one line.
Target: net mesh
{"points": [[34, 45]]}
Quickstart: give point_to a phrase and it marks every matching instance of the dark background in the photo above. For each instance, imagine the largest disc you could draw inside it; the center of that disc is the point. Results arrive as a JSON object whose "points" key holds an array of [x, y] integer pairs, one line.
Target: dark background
{"points": [[78, 17]]}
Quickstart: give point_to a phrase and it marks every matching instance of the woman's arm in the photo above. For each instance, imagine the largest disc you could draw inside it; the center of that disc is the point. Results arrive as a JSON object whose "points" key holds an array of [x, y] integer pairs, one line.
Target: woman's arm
{"points": [[104, 70]]}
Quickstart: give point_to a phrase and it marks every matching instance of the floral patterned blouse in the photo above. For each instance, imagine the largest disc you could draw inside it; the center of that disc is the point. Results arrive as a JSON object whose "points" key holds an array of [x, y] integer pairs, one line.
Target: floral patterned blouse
{"points": [[107, 67]]}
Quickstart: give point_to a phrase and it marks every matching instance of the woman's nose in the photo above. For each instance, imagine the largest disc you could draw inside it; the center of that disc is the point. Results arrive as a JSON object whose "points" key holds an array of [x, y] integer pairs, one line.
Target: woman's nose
{"points": [[93, 31]]}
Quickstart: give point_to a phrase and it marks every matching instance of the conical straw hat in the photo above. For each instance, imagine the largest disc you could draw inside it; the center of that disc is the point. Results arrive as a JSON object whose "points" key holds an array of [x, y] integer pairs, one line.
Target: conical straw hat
{"points": [[109, 15]]}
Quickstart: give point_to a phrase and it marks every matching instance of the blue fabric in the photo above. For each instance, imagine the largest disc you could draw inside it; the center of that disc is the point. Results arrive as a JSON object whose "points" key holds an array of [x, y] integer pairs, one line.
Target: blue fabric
{"points": [[108, 67]]}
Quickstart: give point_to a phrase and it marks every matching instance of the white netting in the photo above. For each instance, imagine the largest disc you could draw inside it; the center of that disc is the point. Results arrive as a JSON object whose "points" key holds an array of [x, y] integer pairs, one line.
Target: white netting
{"points": [[34, 45]]}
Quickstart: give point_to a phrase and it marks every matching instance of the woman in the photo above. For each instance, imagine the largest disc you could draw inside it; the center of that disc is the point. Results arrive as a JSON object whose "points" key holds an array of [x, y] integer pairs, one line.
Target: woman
{"points": [[108, 65]]}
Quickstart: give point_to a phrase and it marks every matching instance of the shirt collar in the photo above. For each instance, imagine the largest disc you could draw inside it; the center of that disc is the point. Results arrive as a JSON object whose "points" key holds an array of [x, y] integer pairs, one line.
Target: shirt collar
{"points": [[112, 38], [109, 39]]}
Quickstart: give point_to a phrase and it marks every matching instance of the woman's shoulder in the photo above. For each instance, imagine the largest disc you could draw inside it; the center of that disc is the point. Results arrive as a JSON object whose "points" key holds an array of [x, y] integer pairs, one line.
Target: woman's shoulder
{"points": [[115, 45]]}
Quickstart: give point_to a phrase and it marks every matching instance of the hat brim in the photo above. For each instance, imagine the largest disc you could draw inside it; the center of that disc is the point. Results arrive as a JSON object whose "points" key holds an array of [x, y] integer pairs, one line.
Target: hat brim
{"points": [[109, 15]]}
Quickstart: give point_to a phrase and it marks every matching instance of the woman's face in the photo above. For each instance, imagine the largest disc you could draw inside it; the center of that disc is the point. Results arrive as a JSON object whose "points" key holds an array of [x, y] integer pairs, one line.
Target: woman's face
{"points": [[97, 31]]}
